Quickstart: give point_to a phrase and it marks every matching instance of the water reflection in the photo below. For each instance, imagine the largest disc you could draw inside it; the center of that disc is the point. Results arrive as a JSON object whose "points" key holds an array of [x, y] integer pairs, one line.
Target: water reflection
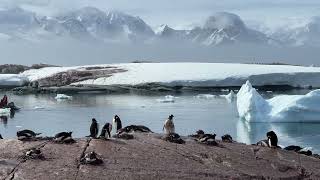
{"points": [[4, 120]]}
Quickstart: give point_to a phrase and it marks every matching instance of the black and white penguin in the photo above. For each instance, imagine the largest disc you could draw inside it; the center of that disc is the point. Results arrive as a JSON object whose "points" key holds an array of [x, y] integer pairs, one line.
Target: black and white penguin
{"points": [[107, 128], [94, 128], [227, 138], [169, 125], [272, 139], [117, 123], [63, 137], [26, 134]]}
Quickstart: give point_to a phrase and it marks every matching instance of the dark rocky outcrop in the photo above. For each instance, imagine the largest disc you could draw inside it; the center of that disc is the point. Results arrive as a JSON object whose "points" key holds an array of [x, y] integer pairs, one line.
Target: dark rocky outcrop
{"points": [[73, 76], [16, 69]]}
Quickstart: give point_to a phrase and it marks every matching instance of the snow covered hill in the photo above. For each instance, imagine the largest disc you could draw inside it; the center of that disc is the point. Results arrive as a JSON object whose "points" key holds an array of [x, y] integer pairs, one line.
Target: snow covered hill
{"points": [[187, 74]]}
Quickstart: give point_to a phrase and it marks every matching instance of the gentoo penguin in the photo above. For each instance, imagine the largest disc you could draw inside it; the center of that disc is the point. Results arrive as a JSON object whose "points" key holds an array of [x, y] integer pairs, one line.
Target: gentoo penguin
{"points": [[26, 134], [63, 137], [117, 123], [169, 125], [94, 128], [107, 128], [227, 138]]}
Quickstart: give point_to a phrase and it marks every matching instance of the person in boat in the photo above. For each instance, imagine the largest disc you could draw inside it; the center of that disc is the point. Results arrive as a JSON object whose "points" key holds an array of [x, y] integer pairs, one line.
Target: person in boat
{"points": [[4, 101]]}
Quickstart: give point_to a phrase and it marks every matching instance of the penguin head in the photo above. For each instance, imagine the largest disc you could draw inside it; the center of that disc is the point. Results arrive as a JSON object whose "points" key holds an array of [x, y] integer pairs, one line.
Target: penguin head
{"points": [[70, 133], [94, 120], [171, 116], [200, 132]]}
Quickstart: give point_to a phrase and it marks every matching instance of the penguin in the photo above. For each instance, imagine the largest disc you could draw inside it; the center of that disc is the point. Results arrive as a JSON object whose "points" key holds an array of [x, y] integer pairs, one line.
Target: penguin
{"points": [[227, 138], [91, 158], [94, 128], [117, 123], [169, 125], [107, 128], [63, 137], [264, 143], [293, 148], [1, 137], [26, 134], [272, 139]]}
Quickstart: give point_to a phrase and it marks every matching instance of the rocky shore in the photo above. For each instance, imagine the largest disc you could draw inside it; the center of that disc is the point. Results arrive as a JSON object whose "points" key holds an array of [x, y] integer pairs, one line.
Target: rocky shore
{"points": [[148, 157]]}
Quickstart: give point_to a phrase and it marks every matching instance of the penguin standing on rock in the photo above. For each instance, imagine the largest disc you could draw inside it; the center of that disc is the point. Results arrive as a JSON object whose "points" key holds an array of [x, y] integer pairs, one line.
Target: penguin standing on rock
{"points": [[94, 128], [107, 128], [117, 123], [271, 141], [169, 125]]}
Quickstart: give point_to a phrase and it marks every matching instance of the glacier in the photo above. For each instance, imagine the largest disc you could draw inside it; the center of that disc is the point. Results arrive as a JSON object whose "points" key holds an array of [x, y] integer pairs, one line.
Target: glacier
{"points": [[252, 107]]}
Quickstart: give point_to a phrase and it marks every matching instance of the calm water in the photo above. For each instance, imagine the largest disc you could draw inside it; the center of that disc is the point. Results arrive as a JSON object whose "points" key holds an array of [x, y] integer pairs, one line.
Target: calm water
{"points": [[44, 114]]}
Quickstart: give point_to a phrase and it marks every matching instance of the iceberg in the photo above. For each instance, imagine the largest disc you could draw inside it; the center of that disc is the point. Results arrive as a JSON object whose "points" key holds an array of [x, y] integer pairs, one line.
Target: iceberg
{"points": [[230, 97], [252, 107], [63, 97]]}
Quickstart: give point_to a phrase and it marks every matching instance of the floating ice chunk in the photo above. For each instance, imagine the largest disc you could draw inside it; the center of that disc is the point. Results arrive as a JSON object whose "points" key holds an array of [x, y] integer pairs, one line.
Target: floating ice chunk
{"points": [[167, 99], [63, 96], [230, 97], [38, 107], [206, 96], [5, 112], [284, 108]]}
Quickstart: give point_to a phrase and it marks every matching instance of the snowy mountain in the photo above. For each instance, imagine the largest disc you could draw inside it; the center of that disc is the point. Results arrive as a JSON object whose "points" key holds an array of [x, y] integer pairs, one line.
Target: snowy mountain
{"points": [[219, 29], [93, 24], [225, 28], [307, 35]]}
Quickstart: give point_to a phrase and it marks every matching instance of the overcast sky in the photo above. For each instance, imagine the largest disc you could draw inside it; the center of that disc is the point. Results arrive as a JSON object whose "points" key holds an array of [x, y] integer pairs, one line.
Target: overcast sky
{"points": [[186, 13]]}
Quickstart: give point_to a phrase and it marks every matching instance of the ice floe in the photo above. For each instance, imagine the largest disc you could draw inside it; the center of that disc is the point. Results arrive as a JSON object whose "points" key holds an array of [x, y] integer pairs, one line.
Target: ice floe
{"points": [[63, 97], [252, 107]]}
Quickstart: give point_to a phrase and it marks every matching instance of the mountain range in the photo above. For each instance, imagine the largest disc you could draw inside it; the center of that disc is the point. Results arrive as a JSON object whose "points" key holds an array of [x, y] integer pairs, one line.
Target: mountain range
{"points": [[92, 24]]}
